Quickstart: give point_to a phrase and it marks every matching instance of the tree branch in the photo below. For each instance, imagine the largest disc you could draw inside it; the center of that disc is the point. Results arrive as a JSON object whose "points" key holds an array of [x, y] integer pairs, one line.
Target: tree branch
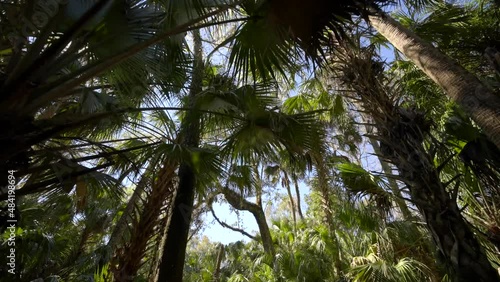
{"points": [[223, 224]]}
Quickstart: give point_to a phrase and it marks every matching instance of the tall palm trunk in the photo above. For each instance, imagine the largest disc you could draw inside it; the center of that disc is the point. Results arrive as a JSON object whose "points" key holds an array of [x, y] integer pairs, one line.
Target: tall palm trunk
{"points": [[154, 267], [329, 216], [450, 231], [174, 251], [460, 85], [402, 133]]}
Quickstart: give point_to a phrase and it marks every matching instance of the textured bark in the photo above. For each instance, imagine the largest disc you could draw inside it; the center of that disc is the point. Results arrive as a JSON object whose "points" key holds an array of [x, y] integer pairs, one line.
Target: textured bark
{"points": [[160, 242], [325, 195], [128, 214], [449, 230], [237, 202], [174, 251], [403, 131], [465, 89]]}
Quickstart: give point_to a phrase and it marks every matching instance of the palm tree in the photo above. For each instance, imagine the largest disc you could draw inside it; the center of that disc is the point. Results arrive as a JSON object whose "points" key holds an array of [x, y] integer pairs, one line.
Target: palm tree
{"points": [[238, 202], [172, 263], [248, 125], [86, 72], [87, 52], [402, 136], [305, 252], [279, 174], [81, 88], [267, 44], [477, 99], [154, 215]]}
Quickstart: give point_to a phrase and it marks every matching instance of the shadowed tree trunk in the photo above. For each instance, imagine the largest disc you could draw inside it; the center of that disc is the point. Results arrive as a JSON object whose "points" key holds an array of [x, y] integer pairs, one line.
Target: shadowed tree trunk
{"points": [[327, 204], [402, 132], [450, 231], [220, 257], [174, 251], [286, 181], [461, 86], [297, 191]]}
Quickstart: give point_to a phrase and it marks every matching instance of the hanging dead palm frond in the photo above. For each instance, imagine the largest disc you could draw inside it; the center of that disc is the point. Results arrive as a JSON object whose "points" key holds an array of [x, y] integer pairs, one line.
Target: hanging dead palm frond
{"points": [[153, 215]]}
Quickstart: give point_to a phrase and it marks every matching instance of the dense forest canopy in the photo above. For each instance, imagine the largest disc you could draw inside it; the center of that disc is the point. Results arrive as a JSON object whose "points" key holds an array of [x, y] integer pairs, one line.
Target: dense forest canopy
{"points": [[129, 124]]}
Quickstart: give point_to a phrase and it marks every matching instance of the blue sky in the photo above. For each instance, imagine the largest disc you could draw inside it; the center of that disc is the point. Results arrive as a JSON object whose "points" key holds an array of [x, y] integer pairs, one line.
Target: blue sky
{"points": [[245, 220], [217, 233]]}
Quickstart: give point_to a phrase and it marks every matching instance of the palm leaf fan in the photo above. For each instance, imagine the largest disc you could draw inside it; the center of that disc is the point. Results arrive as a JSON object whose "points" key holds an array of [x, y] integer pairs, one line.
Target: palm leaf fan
{"points": [[267, 44], [308, 21], [361, 182]]}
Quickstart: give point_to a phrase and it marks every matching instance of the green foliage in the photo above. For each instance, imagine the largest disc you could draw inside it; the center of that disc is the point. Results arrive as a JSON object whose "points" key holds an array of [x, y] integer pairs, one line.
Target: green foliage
{"points": [[92, 111]]}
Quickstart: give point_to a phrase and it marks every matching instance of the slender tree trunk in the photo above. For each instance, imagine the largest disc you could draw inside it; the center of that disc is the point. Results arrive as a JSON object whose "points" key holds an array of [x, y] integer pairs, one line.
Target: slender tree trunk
{"points": [[297, 191], [327, 205], [460, 85], [290, 197], [174, 251], [220, 257]]}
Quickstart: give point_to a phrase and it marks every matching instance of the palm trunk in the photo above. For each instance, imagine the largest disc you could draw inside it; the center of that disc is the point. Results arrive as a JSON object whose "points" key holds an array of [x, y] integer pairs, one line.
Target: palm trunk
{"points": [[128, 214], [290, 197], [403, 131], [174, 251], [220, 257], [160, 244], [327, 205], [460, 85], [450, 231]]}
